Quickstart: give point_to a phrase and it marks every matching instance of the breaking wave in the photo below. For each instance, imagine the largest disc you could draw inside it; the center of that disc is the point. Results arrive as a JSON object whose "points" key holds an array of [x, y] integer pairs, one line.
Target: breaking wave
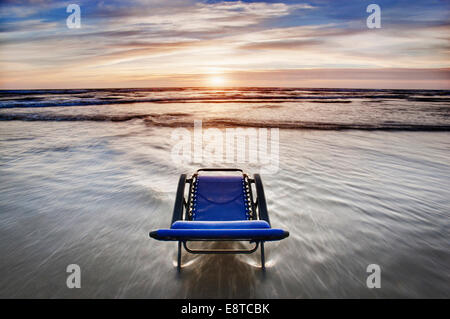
{"points": [[318, 109], [87, 97], [185, 120]]}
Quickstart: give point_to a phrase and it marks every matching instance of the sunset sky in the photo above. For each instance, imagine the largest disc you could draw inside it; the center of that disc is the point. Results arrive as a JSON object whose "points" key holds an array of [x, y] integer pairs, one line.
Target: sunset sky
{"points": [[158, 43]]}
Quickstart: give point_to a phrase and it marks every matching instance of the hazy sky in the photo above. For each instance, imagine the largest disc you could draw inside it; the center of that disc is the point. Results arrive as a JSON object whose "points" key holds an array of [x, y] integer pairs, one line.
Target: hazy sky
{"points": [[152, 43]]}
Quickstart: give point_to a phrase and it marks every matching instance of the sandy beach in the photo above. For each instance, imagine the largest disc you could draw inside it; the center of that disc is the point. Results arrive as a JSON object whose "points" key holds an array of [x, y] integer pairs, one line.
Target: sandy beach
{"points": [[361, 180]]}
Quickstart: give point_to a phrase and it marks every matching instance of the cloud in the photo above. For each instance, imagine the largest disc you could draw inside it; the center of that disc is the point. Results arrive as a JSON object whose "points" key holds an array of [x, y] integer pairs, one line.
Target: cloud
{"points": [[203, 17], [387, 78], [19, 9], [281, 45], [27, 25]]}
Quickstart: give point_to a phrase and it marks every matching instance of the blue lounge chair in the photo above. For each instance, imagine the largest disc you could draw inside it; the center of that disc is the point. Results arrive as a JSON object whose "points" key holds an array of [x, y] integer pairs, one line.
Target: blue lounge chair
{"points": [[220, 208]]}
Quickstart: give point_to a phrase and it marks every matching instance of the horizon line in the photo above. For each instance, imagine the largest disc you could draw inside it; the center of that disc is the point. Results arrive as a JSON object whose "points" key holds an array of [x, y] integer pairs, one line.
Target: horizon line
{"points": [[223, 87]]}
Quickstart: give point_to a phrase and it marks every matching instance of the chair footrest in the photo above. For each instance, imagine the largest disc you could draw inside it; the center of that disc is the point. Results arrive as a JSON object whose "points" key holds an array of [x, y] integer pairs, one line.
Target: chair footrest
{"points": [[241, 224], [256, 234]]}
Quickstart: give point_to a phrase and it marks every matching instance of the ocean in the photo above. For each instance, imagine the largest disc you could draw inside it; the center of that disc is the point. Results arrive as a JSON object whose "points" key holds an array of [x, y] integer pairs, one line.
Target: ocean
{"points": [[362, 177]]}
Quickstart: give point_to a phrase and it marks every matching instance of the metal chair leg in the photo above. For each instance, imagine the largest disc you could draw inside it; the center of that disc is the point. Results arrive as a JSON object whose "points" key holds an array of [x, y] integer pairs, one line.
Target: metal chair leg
{"points": [[263, 261], [179, 256]]}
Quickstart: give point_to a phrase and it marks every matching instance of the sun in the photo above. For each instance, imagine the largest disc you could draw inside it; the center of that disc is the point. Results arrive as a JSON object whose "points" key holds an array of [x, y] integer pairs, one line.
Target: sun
{"points": [[217, 80]]}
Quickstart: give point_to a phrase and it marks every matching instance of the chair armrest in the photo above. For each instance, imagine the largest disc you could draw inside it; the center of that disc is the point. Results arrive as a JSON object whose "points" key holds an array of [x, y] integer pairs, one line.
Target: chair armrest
{"points": [[179, 200], [261, 199]]}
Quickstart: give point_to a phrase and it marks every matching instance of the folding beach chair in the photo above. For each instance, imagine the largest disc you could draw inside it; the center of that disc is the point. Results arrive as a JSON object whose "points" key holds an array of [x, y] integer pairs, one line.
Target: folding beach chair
{"points": [[220, 208]]}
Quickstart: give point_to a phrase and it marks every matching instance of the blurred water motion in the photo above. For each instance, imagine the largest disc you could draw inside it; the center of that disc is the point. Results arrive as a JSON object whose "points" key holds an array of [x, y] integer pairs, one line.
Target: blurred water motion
{"points": [[88, 192]]}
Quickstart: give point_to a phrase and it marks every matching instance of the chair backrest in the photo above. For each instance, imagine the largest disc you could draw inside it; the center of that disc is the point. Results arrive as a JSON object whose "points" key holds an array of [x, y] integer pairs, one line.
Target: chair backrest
{"points": [[220, 198]]}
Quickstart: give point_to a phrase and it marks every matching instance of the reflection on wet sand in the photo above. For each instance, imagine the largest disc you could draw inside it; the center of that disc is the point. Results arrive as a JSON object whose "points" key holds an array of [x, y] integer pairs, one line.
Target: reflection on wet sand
{"points": [[219, 276]]}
